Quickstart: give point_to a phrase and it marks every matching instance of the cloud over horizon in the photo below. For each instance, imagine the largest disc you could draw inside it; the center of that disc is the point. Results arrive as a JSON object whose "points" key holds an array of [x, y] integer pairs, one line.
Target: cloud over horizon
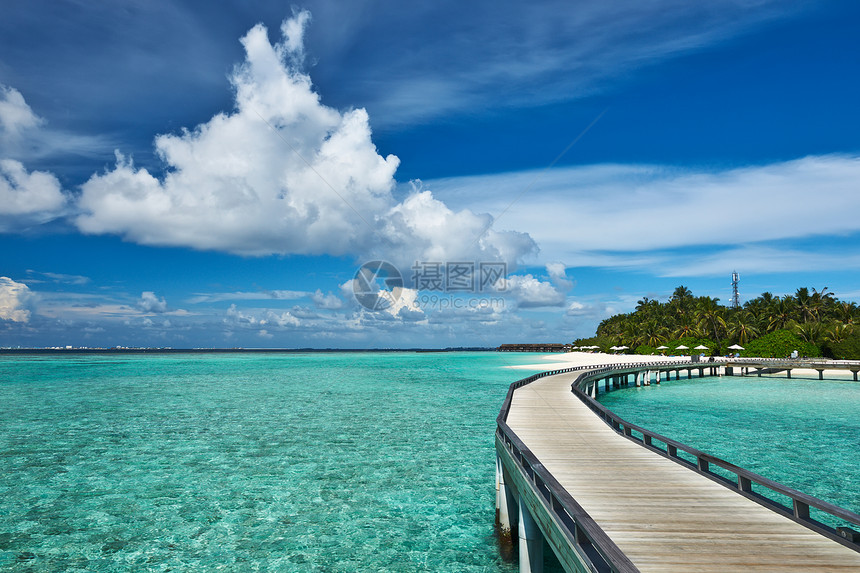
{"points": [[283, 174], [14, 300]]}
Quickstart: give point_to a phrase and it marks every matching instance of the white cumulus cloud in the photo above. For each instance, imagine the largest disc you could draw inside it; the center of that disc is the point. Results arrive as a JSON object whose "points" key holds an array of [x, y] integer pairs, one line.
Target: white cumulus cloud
{"points": [[282, 173], [326, 301], [28, 198], [14, 297], [530, 292], [149, 302], [558, 276], [15, 115], [426, 229]]}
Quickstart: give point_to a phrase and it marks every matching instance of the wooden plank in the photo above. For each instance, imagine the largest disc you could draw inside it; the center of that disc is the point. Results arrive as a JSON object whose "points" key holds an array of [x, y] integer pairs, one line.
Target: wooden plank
{"points": [[663, 516]]}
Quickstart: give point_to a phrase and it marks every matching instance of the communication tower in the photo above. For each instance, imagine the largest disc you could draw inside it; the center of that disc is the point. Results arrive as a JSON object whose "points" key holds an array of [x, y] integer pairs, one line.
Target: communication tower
{"points": [[736, 298]]}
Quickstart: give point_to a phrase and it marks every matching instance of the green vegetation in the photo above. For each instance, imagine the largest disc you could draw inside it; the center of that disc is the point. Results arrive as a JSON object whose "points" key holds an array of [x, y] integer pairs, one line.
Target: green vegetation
{"points": [[813, 323], [779, 344]]}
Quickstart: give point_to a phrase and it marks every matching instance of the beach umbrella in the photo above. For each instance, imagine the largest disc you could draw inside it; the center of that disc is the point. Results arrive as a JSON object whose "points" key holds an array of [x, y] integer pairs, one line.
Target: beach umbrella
{"points": [[662, 347], [736, 347], [700, 347], [682, 347], [623, 347], [613, 348]]}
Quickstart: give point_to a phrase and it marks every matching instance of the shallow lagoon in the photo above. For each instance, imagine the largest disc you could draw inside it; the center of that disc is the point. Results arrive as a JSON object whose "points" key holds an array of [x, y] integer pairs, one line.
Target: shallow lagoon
{"points": [[251, 462], [328, 462], [804, 433]]}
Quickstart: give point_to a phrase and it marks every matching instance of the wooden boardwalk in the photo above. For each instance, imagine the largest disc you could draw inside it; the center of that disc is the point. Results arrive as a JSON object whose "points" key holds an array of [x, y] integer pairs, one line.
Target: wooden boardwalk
{"points": [[663, 516]]}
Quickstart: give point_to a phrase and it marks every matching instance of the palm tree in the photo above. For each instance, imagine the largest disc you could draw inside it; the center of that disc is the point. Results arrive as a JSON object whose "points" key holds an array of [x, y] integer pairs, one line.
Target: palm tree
{"points": [[821, 302], [811, 332], [679, 307], [710, 317], [683, 330], [846, 312], [804, 307], [768, 301], [838, 332], [742, 329], [781, 315], [681, 295], [653, 333]]}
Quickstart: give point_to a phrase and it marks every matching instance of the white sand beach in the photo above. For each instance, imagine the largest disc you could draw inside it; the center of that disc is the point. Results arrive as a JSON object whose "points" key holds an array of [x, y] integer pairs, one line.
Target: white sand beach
{"points": [[571, 359]]}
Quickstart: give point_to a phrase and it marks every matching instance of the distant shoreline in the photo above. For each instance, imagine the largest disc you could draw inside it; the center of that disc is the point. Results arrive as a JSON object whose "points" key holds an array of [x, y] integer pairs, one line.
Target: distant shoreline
{"points": [[227, 350]]}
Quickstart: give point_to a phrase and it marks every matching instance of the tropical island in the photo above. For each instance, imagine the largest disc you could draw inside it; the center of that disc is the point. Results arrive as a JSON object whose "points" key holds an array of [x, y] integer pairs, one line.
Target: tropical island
{"points": [[811, 323]]}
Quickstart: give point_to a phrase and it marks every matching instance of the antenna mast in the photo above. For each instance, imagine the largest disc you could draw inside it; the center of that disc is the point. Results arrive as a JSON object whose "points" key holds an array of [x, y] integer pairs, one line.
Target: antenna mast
{"points": [[736, 298]]}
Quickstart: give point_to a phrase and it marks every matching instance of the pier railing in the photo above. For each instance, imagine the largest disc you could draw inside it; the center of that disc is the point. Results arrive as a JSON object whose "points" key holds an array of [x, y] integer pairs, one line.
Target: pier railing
{"points": [[591, 543], [734, 477], [799, 362]]}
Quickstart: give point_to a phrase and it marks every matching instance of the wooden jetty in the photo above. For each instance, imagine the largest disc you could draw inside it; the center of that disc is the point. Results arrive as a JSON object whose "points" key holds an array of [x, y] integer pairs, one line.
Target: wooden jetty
{"points": [[759, 366], [607, 495], [544, 347]]}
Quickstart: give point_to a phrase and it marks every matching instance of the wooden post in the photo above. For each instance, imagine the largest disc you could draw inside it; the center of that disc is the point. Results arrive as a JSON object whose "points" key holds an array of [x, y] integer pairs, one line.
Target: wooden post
{"points": [[506, 505], [498, 484], [531, 543]]}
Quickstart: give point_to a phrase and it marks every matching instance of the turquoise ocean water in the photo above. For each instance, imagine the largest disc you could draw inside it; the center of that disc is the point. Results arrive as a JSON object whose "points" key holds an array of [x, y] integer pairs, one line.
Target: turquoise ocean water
{"points": [[325, 462], [317, 462], [803, 433]]}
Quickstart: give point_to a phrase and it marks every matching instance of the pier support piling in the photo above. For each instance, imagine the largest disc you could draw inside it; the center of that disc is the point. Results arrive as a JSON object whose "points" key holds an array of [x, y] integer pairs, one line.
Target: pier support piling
{"points": [[531, 543], [506, 513]]}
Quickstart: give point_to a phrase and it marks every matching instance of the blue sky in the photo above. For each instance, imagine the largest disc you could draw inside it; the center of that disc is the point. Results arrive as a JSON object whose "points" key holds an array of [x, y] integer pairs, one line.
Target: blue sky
{"points": [[173, 174]]}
